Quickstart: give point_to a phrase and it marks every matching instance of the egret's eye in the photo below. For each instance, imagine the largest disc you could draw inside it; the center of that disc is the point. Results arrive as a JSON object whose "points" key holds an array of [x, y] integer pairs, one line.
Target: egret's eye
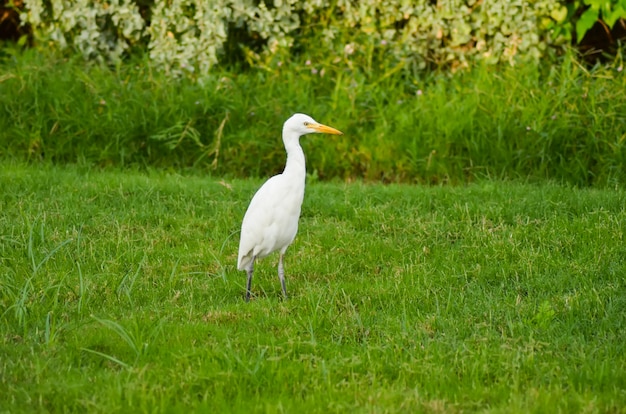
{"points": [[306, 123]]}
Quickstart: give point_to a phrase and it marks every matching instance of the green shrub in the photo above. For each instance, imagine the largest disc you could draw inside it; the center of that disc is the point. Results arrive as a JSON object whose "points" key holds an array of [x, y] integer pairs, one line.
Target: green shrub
{"points": [[577, 17], [186, 37], [105, 29]]}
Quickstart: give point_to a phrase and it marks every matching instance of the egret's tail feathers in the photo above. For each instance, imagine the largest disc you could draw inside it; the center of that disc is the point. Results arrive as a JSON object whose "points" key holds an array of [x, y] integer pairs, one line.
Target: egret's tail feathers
{"points": [[244, 261]]}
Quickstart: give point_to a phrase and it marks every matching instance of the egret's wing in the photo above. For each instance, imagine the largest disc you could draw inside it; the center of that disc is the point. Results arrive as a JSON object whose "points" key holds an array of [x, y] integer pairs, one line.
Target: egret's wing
{"points": [[271, 221], [258, 217]]}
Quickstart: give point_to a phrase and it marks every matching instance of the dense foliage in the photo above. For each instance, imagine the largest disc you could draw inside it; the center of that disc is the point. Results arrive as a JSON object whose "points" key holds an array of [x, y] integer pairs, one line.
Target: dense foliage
{"points": [[357, 65], [185, 37], [563, 123]]}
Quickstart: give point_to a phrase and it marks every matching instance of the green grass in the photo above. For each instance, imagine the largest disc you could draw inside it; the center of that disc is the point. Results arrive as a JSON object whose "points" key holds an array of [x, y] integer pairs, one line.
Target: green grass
{"points": [[560, 122], [118, 293]]}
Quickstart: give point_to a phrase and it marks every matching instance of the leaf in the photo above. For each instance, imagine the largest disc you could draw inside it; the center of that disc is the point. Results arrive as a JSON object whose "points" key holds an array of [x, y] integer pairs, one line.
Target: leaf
{"points": [[109, 357], [614, 15], [586, 22], [559, 14]]}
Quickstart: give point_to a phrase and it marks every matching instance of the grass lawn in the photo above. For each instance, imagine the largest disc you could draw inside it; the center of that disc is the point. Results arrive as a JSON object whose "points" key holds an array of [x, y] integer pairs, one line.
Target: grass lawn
{"points": [[119, 293]]}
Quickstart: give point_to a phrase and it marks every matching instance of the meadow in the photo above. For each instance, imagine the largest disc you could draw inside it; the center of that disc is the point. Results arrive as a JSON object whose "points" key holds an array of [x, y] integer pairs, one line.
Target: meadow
{"points": [[119, 293]]}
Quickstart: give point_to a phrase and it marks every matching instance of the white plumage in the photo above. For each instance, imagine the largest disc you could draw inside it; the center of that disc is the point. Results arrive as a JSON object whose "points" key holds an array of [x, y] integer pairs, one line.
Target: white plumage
{"points": [[271, 221]]}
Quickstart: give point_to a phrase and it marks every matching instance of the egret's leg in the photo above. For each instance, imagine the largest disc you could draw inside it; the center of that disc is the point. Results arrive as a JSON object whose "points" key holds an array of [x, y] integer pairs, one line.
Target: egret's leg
{"points": [[281, 274], [249, 271]]}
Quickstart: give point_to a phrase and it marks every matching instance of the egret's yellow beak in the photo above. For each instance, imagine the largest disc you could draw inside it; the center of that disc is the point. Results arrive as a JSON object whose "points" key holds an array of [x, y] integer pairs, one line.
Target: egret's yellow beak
{"points": [[325, 129]]}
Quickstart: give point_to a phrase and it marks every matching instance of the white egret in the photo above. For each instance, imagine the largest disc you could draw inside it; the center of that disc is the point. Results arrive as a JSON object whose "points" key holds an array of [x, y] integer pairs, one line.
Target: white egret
{"points": [[271, 221]]}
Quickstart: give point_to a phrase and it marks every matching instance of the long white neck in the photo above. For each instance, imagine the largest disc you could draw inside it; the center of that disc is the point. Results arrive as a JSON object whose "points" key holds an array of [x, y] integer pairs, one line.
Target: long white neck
{"points": [[296, 164]]}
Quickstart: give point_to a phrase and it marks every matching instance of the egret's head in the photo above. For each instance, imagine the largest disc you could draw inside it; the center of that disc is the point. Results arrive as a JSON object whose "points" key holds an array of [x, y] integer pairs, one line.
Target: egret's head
{"points": [[301, 124]]}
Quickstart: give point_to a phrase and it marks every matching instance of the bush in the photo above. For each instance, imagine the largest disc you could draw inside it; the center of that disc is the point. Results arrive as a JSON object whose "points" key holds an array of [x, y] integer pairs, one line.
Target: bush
{"points": [[191, 36]]}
